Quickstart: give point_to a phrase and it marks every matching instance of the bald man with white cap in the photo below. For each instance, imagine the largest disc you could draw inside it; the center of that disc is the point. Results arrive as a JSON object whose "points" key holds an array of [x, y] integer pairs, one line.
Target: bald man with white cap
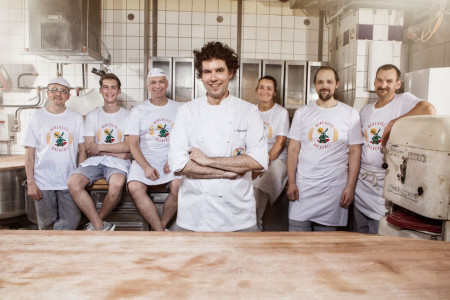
{"points": [[51, 143], [149, 130]]}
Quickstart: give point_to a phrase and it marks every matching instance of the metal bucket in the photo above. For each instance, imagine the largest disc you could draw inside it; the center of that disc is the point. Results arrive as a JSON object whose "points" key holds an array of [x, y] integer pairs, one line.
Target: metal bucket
{"points": [[12, 202]]}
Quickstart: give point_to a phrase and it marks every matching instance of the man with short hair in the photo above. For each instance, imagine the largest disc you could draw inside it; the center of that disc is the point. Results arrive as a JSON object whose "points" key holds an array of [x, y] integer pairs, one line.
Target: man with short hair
{"points": [[51, 143], [377, 120], [108, 152], [324, 153], [217, 141], [150, 132]]}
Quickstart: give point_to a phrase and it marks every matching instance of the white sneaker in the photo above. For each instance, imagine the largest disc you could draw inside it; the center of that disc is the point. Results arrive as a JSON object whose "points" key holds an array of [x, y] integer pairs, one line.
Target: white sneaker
{"points": [[89, 227], [108, 226]]}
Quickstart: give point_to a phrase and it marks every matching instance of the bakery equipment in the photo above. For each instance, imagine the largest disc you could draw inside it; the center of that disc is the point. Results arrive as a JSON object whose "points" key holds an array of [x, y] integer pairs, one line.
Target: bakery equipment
{"points": [[417, 181]]}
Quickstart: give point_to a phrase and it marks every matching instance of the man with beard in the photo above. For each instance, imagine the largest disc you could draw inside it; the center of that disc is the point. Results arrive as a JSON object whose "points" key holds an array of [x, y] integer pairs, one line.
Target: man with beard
{"points": [[323, 159], [377, 120]]}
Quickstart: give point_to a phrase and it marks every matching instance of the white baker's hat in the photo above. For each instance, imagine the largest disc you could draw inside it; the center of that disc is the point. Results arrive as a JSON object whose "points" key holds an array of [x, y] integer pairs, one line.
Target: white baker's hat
{"points": [[156, 72], [60, 81]]}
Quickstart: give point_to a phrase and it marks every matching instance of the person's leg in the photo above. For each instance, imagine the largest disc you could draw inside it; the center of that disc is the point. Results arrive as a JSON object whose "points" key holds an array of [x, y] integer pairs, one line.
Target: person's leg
{"points": [[138, 191], [46, 210], [295, 225], [77, 183], [373, 226], [361, 222], [68, 211], [320, 227], [261, 199], [116, 181], [171, 204]]}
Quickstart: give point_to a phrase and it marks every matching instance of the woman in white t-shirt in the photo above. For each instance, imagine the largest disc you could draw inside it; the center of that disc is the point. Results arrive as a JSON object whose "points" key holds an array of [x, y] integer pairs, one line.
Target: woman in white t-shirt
{"points": [[268, 186]]}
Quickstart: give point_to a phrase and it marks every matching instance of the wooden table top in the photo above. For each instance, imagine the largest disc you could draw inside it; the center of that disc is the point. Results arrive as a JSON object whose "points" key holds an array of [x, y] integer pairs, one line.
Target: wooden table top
{"points": [[11, 162], [180, 265]]}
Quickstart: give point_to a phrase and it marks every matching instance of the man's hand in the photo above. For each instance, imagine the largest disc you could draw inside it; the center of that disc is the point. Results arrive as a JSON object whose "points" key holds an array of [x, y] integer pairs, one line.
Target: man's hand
{"points": [[166, 168], [386, 133], [34, 192], [199, 157], [292, 192], [151, 173], [256, 174], [230, 175], [125, 155], [93, 149], [347, 197]]}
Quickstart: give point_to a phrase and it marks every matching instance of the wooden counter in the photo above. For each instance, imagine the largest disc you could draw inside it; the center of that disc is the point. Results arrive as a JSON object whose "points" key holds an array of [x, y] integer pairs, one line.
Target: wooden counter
{"points": [[175, 265], [12, 162]]}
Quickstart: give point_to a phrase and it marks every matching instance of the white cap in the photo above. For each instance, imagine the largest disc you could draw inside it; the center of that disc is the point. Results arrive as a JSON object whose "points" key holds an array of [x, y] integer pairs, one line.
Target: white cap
{"points": [[60, 81], [156, 72]]}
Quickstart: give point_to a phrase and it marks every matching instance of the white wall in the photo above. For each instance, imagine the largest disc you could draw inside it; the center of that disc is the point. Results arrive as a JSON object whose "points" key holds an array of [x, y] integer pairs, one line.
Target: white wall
{"points": [[271, 30]]}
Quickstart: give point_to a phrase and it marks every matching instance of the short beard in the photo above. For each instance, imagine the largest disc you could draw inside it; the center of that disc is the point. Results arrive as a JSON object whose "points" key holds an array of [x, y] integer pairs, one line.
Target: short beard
{"points": [[325, 98]]}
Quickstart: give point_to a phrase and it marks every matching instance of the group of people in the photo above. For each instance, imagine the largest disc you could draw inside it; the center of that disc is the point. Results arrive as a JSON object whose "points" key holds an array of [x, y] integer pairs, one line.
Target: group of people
{"points": [[222, 158]]}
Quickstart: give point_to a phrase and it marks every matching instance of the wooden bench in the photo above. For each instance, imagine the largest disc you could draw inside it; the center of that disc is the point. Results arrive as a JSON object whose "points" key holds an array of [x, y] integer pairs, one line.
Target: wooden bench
{"points": [[125, 215]]}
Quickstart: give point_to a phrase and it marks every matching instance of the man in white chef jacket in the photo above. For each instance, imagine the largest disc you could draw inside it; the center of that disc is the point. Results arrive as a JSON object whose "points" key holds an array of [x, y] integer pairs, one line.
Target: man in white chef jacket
{"points": [[216, 142], [150, 132], [377, 120]]}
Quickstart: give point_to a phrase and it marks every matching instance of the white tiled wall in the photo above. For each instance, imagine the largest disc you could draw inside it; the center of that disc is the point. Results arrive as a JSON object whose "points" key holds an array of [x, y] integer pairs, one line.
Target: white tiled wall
{"points": [[270, 30], [351, 60]]}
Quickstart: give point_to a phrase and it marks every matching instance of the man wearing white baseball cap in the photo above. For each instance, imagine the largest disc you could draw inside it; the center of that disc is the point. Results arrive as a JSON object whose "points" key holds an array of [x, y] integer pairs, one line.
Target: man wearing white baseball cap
{"points": [[149, 131], [51, 144]]}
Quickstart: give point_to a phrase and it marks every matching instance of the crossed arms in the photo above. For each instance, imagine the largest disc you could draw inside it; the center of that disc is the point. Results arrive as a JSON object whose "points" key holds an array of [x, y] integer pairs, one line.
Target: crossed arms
{"points": [[201, 166]]}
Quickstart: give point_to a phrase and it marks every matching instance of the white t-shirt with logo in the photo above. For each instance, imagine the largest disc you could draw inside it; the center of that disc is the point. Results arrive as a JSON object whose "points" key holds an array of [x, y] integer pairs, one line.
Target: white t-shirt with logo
{"points": [[153, 124], [107, 128], [324, 134], [322, 171], [373, 121], [276, 123], [368, 197], [56, 138]]}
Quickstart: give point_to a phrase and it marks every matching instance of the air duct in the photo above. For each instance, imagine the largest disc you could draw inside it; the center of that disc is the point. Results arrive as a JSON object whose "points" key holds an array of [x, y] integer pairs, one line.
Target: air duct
{"points": [[65, 31]]}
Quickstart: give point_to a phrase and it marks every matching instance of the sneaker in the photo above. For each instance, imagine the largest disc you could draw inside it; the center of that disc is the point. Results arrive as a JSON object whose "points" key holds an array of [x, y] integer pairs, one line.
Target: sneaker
{"points": [[89, 227], [108, 226]]}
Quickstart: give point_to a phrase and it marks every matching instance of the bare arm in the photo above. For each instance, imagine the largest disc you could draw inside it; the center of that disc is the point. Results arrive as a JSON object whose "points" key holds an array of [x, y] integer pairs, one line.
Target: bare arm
{"points": [[354, 162], [292, 161], [421, 108], [96, 149], [82, 155], [236, 164], [150, 172], [277, 147], [196, 171], [33, 190]]}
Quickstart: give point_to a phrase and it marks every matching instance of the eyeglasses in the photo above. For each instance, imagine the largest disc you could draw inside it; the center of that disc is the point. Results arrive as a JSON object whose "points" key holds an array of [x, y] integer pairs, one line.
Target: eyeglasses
{"points": [[62, 91]]}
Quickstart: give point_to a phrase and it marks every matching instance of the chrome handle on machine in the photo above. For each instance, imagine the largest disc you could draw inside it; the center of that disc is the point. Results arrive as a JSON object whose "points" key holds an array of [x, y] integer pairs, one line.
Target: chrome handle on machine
{"points": [[402, 174]]}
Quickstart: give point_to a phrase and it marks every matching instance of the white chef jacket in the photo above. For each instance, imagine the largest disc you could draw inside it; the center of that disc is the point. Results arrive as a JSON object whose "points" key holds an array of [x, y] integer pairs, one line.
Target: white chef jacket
{"points": [[234, 127]]}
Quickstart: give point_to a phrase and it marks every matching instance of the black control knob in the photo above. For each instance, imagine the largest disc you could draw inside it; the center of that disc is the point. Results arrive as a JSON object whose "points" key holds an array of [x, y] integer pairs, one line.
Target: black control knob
{"points": [[385, 166], [420, 191]]}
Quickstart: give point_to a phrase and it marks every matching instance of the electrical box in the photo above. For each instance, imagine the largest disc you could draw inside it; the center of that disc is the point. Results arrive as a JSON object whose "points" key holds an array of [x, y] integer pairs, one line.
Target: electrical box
{"points": [[6, 123]]}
